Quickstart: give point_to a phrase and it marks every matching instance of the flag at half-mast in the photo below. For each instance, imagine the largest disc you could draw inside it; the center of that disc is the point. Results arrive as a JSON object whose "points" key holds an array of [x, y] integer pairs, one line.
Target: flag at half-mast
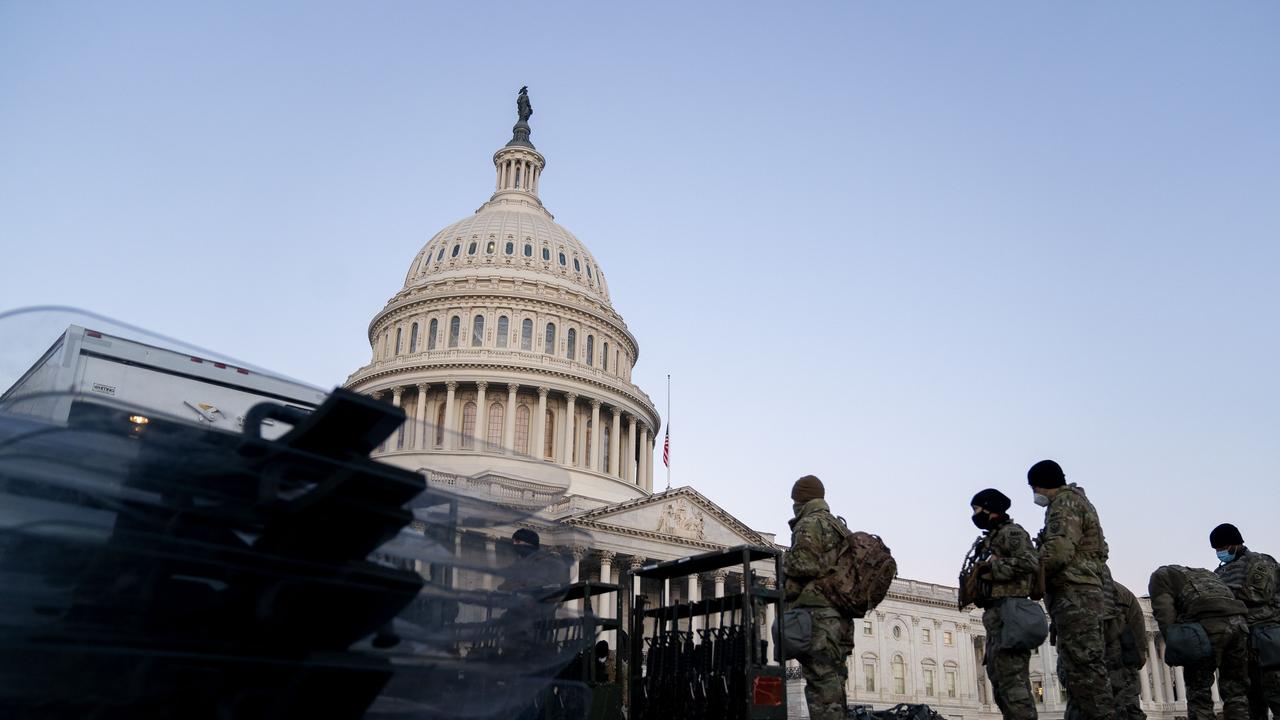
{"points": [[666, 448]]}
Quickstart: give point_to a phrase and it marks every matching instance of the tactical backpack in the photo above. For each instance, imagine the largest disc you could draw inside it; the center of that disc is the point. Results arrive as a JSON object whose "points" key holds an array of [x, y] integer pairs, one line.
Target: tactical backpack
{"points": [[862, 571], [1201, 586]]}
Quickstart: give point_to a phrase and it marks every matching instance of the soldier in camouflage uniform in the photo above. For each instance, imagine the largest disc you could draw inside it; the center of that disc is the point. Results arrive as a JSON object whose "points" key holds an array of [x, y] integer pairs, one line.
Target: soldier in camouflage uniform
{"points": [[1008, 563], [814, 543], [1073, 554], [1253, 578], [1183, 595], [1126, 633]]}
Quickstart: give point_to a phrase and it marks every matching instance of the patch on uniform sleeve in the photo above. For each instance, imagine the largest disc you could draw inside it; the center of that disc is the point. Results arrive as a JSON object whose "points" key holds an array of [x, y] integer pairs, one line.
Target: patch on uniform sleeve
{"points": [[1057, 526]]}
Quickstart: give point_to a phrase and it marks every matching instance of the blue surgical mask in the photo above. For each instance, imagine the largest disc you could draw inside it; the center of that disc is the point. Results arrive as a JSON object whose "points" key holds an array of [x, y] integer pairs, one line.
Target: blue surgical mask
{"points": [[1041, 500], [1226, 556]]}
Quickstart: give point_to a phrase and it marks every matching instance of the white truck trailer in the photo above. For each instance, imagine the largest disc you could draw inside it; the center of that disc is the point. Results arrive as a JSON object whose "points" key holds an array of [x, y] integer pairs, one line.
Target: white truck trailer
{"points": [[86, 369]]}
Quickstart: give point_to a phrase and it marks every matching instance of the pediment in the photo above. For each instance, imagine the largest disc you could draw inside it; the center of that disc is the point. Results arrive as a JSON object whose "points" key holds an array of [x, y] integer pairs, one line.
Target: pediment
{"points": [[682, 515]]}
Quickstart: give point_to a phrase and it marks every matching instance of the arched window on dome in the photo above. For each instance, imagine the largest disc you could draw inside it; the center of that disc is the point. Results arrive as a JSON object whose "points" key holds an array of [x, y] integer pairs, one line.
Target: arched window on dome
{"points": [[469, 426], [528, 250], [456, 249], [546, 254], [549, 443], [587, 450], [605, 433], [439, 424], [497, 416], [591, 349], [504, 327], [398, 341], [491, 248], [510, 248], [477, 331], [617, 362], [589, 276], [471, 249], [577, 266], [550, 346], [571, 340], [431, 333], [522, 429], [455, 328], [440, 255], [526, 335], [413, 338], [604, 356], [563, 261]]}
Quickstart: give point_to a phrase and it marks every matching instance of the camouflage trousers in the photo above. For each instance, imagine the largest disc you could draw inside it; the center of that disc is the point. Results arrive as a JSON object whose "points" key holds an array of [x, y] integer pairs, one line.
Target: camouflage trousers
{"points": [[1127, 689], [1009, 672], [825, 670], [1264, 690], [1076, 611], [1230, 640]]}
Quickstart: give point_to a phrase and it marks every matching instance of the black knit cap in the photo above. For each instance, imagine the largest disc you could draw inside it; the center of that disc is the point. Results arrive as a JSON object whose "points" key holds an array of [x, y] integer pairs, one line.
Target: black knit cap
{"points": [[1225, 535], [992, 500], [1046, 474], [526, 535]]}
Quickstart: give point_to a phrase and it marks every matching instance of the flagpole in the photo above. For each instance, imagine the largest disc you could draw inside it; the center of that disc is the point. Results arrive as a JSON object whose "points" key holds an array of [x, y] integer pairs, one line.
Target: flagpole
{"points": [[666, 450]]}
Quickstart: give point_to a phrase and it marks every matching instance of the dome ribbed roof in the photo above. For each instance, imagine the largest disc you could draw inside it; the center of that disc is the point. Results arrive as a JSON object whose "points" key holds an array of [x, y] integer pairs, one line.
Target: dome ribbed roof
{"points": [[510, 238]]}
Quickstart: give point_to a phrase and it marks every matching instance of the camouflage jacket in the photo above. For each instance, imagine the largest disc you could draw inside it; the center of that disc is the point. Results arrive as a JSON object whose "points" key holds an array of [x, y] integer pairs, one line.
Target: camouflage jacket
{"points": [[1128, 616], [1013, 560], [815, 539], [1253, 578], [1172, 601], [1072, 547]]}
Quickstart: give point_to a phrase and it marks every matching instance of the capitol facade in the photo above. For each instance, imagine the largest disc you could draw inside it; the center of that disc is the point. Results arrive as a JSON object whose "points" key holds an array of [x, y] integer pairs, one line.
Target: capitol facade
{"points": [[506, 353]]}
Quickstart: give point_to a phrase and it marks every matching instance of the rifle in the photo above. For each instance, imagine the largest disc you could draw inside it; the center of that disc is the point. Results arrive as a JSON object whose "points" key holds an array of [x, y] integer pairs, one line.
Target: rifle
{"points": [[974, 590]]}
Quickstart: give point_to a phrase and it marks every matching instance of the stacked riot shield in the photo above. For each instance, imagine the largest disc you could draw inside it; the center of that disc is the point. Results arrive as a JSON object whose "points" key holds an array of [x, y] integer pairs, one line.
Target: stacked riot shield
{"points": [[707, 658], [184, 535]]}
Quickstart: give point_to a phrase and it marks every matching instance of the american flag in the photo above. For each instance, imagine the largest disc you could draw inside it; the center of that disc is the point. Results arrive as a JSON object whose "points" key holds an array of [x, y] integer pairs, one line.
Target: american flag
{"points": [[666, 448]]}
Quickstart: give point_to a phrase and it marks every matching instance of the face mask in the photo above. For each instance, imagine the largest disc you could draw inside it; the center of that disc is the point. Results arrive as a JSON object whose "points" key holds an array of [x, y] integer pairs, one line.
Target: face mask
{"points": [[796, 508], [1226, 556], [1041, 500], [981, 520], [524, 550]]}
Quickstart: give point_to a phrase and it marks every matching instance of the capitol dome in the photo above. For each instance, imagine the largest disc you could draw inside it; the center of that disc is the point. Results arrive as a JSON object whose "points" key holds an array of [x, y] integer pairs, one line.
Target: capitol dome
{"points": [[504, 349]]}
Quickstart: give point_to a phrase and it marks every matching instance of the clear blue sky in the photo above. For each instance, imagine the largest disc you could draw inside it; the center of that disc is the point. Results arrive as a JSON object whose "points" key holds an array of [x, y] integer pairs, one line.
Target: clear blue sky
{"points": [[911, 248]]}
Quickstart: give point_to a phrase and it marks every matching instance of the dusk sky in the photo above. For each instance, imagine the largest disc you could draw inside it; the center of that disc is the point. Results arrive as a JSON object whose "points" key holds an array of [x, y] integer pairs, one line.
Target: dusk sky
{"points": [[909, 248]]}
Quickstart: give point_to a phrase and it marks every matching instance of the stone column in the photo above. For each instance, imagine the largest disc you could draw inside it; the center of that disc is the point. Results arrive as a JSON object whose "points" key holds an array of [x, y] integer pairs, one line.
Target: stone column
{"points": [[567, 454], [1144, 682], [646, 457], [629, 465], [482, 416], [692, 593], [396, 441], [420, 418], [1181, 685], [605, 603], [491, 563], [576, 553], [614, 444], [509, 429], [718, 578], [540, 422], [637, 562], [595, 436], [1154, 664], [771, 615], [450, 429]]}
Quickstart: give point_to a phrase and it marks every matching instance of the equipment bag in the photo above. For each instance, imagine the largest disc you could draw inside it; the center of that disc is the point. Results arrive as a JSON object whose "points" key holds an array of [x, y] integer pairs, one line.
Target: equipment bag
{"points": [[797, 635], [1023, 624], [1130, 653], [1266, 643], [861, 574], [1186, 644]]}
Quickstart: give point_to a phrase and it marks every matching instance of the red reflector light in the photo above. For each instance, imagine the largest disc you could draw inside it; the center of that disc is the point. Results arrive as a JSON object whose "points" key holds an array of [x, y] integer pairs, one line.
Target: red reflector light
{"points": [[767, 692], [220, 365], [242, 371], [93, 333], [196, 359]]}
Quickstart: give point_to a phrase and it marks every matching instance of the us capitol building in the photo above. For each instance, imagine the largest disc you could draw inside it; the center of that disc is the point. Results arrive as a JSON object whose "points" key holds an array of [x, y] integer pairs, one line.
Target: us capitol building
{"points": [[506, 353]]}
